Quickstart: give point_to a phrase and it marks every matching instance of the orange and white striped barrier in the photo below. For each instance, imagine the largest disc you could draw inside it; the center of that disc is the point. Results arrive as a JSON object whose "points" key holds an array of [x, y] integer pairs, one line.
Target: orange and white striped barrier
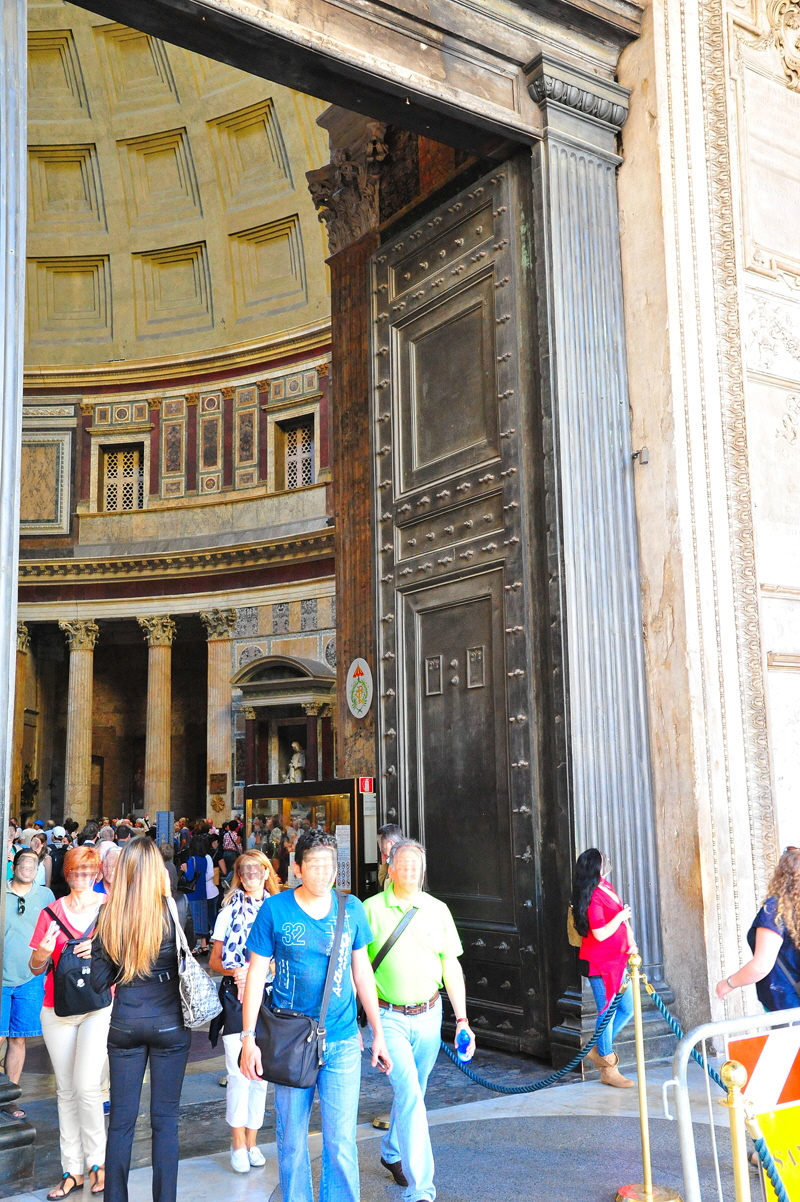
{"points": [[772, 1062]]}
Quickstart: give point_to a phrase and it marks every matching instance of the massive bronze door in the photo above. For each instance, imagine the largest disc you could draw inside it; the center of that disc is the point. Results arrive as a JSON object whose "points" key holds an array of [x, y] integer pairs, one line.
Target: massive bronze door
{"points": [[454, 440]]}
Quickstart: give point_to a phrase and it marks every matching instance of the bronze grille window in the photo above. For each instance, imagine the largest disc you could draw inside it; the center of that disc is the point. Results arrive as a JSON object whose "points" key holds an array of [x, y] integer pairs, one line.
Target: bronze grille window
{"points": [[300, 454], [123, 479]]}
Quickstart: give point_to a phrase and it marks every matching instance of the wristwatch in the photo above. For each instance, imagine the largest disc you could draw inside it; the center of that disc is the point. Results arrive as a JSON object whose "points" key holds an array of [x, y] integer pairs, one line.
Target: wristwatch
{"points": [[244, 1035]]}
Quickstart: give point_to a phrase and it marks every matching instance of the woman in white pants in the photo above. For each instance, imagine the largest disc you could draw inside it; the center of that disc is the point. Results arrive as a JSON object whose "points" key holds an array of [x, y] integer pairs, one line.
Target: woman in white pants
{"points": [[252, 883], [76, 1044]]}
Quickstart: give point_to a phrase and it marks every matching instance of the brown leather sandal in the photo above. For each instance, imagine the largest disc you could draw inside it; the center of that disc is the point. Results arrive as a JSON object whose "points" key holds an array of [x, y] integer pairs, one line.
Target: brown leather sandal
{"points": [[97, 1188], [55, 1196]]}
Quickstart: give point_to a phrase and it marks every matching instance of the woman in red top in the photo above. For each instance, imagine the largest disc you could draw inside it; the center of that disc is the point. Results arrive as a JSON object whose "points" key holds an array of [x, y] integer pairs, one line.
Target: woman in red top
{"points": [[604, 923]]}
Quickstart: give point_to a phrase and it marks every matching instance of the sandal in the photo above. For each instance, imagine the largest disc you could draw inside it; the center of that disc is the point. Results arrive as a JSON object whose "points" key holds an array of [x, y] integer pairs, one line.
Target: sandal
{"points": [[14, 1112], [97, 1188], [54, 1195]]}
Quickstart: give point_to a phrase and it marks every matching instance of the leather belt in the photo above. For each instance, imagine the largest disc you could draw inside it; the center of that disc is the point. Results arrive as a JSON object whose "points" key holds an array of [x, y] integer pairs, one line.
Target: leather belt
{"points": [[419, 1008]]}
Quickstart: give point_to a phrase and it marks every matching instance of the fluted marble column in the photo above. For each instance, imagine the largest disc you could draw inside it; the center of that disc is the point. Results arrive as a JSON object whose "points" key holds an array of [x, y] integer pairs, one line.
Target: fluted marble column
{"points": [[23, 646], [82, 637], [159, 631], [219, 624]]}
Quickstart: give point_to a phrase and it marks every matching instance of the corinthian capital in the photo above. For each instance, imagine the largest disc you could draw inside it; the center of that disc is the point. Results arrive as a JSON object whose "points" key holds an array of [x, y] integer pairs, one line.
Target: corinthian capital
{"points": [[81, 635], [219, 623], [23, 638], [159, 631]]}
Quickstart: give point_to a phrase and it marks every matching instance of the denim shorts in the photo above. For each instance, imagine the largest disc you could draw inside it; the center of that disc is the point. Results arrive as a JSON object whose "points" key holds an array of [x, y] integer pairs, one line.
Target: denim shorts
{"points": [[22, 1008]]}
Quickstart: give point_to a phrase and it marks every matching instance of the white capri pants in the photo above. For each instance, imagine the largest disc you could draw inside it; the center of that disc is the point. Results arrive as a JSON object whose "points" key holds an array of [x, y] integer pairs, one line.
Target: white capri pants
{"points": [[77, 1046], [246, 1100]]}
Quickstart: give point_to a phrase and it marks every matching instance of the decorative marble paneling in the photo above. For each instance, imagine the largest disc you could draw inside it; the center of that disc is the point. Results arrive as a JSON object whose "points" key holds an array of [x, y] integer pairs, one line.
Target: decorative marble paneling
{"points": [[330, 653], [246, 622], [251, 160], [64, 192], [246, 440], [56, 87], [269, 269], [773, 335], [45, 482], [294, 386], [172, 439], [69, 299], [172, 290], [160, 179], [280, 617], [137, 74], [246, 654], [308, 614]]}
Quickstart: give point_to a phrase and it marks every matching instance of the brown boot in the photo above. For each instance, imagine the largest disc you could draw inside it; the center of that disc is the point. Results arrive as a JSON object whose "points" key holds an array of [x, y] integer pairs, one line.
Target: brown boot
{"points": [[610, 1074], [596, 1059]]}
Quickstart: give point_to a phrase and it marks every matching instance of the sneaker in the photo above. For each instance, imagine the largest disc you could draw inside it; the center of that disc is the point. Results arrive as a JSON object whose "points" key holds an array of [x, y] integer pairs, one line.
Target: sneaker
{"points": [[256, 1157], [106, 1108], [240, 1161]]}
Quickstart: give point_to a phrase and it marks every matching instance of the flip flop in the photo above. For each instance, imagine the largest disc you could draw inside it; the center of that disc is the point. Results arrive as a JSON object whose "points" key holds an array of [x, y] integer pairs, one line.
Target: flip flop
{"points": [[96, 1169], [53, 1196], [15, 1112]]}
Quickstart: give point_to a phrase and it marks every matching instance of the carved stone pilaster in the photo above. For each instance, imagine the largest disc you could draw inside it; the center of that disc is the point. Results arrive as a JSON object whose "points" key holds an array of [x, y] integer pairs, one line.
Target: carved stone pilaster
{"points": [[82, 635], [23, 638], [159, 631], [219, 623], [345, 191]]}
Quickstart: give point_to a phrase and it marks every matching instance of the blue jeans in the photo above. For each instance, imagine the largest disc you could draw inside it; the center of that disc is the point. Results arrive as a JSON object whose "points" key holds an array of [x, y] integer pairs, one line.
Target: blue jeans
{"points": [[339, 1085], [621, 1019], [413, 1043]]}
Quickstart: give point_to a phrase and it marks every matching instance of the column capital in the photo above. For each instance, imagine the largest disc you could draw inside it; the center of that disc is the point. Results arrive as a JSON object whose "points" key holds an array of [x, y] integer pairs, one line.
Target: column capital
{"points": [[562, 85], [326, 711], [192, 398], [249, 713], [159, 630], [23, 638], [82, 635], [345, 191], [312, 709], [219, 623]]}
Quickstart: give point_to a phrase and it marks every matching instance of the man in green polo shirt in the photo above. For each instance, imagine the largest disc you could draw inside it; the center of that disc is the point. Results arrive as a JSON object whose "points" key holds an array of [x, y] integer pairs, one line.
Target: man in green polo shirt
{"points": [[424, 957]]}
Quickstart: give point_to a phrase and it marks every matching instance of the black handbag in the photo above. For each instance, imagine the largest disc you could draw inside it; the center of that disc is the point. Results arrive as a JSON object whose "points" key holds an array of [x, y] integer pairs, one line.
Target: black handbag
{"points": [[292, 1045], [72, 985]]}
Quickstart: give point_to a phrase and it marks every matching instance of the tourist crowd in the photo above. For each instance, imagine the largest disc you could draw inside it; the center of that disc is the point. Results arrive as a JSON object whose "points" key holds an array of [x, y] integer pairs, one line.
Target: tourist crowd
{"points": [[102, 926]]}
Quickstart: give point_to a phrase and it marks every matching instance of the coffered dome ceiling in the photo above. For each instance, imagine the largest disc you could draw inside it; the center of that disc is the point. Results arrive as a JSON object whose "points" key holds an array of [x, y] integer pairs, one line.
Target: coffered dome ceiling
{"points": [[168, 212]]}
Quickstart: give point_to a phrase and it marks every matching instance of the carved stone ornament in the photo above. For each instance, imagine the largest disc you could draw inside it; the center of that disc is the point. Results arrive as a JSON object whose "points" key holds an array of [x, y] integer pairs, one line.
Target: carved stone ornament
{"points": [[227, 393], [23, 638], [345, 192], [219, 623], [784, 20], [249, 713], [548, 87], [158, 631], [86, 409], [155, 402], [192, 398], [81, 635]]}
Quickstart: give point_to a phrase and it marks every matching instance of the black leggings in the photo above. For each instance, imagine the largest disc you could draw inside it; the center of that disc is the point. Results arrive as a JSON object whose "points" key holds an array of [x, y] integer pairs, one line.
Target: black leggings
{"points": [[132, 1039]]}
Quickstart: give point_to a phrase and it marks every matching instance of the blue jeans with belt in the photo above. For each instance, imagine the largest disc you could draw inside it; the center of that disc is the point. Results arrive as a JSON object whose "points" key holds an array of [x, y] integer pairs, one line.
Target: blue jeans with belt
{"points": [[622, 1017], [413, 1043], [339, 1084]]}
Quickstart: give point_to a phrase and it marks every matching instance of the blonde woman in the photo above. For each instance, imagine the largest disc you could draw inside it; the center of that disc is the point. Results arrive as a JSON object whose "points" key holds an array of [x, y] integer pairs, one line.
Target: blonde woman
{"points": [[136, 949], [774, 940], [253, 881]]}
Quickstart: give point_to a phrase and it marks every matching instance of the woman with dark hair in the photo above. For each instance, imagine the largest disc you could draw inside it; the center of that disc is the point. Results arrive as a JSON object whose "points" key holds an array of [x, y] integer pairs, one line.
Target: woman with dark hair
{"points": [[603, 923], [774, 940], [196, 870]]}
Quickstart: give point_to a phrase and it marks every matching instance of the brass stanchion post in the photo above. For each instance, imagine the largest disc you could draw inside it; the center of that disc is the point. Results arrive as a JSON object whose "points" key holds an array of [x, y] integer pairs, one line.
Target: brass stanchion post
{"points": [[734, 1077], [645, 1192]]}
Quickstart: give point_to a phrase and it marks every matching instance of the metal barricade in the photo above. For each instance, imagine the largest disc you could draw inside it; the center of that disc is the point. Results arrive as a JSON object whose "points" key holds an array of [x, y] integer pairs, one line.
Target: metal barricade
{"points": [[734, 1077]]}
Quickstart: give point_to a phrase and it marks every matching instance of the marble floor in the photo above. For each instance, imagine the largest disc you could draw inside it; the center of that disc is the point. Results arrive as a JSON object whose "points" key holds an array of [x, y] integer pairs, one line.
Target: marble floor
{"points": [[210, 1177]]}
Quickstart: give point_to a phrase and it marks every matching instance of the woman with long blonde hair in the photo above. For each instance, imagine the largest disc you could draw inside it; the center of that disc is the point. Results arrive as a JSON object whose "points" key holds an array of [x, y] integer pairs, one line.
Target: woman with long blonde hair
{"points": [[136, 948], [774, 939], [252, 882]]}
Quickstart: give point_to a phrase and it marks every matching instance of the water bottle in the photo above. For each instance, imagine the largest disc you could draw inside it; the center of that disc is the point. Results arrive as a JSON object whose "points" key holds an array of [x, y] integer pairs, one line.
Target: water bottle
{"points": [[462, 1044]]}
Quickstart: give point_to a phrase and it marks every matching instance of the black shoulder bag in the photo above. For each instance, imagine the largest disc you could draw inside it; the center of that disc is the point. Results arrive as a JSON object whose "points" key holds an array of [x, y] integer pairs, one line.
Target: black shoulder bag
{"points": [[383, 952], [292, 1045], [72, 984]]}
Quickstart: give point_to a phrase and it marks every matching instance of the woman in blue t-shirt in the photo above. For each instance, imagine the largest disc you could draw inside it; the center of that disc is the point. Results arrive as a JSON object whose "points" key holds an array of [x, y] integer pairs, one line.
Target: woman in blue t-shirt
{"points": [[774, 939], [297, 929]]}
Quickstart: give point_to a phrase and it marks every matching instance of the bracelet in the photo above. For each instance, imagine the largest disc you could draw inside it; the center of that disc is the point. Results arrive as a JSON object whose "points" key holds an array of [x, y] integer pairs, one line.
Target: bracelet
{"points": [[459, 1021], [728, 983]]}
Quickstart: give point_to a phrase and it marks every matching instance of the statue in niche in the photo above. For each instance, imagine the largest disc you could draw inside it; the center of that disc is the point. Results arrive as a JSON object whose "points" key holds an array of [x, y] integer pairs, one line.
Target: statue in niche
{"points": [[297, 766], [30, 787]]}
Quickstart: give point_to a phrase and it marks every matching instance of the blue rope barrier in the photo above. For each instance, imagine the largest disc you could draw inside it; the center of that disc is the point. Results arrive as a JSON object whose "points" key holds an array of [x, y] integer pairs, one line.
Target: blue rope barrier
{"points": [[677, 1030], [553, 1077], [765, 1156]]}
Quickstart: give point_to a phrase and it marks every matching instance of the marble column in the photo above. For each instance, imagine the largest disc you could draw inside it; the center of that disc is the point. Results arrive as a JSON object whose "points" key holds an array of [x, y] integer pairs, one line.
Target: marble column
{"points": [[250, 732], [23, 646], [219, 624], [326, 738], [312, 742], [82, 637], [159, 631]]}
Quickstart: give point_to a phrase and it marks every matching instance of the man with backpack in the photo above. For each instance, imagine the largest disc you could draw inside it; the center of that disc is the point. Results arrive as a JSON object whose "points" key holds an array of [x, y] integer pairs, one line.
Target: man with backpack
{"points": [[414, 951]]}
